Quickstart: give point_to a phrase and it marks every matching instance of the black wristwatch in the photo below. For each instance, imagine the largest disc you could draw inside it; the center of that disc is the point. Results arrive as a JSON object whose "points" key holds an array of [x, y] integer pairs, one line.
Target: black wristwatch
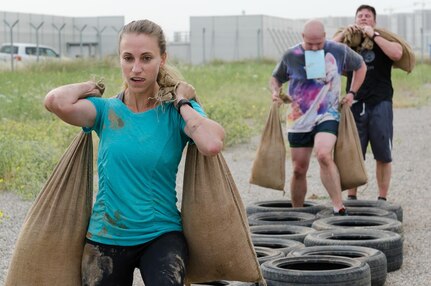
{"points": [[352, 92], [181, 102], [376, 34]]}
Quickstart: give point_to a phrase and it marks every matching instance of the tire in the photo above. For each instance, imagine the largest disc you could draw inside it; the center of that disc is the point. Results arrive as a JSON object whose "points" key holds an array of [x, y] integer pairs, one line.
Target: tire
{"points": [[237, 283], [293, 232], [373, 257], [388, 242], [357, 222], [225, 282], [359, 211], [283, 205], [285, 218], [284, 245], [265, 254], [393, 207], [214, 283], [323, 270]]}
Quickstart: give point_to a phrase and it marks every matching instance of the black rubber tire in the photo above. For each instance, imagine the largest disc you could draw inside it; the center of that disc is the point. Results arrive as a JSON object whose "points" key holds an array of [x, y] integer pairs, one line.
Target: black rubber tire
{"points": [[284, 218], [284, 245], [283, 205], [293, 232], [357, 222], [237, 283], [226, 283], [388, 242], [215, 283], [373, 257], [323, 270], [265, 254], [393, 207], [359, 211]]}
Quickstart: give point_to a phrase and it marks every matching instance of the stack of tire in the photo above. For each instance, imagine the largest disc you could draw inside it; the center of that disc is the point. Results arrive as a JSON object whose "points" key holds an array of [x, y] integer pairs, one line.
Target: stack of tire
{"points": [[277, 229], [358, 249]]}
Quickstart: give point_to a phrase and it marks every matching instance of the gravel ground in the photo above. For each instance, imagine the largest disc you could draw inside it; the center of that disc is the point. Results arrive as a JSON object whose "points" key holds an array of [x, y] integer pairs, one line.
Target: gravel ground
{"points": [[409, 187]]}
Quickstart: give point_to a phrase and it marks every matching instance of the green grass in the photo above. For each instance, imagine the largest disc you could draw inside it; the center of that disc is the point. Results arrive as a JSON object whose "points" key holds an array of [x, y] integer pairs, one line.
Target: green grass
{"points": [[234, 94]]}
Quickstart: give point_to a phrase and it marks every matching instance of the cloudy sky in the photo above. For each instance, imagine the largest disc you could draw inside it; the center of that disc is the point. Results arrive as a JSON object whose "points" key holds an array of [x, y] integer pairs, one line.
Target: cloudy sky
{"points": [[173, 15]]}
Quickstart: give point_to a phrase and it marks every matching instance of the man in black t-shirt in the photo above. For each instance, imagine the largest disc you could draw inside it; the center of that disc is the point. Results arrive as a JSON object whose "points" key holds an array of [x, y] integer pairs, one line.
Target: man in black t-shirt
{"points": [[372, 107]]}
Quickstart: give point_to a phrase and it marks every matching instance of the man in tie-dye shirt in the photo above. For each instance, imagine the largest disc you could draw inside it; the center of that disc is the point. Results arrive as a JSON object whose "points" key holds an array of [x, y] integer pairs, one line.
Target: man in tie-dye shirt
{"points": [[314, 116]]}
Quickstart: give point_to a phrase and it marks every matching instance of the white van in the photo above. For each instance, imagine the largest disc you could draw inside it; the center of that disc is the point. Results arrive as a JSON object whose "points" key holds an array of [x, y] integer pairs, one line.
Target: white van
{"points": [[26, 52]]}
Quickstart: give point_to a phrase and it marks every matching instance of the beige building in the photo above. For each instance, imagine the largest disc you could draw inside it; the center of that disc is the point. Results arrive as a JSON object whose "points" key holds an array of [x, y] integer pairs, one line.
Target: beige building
{"points": [[69, 36]]}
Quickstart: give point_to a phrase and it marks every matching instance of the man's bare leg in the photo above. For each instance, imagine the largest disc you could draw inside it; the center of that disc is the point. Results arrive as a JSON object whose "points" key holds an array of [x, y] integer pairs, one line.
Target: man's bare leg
{"points": [[383, 177], [298, 184], [324, 144]]}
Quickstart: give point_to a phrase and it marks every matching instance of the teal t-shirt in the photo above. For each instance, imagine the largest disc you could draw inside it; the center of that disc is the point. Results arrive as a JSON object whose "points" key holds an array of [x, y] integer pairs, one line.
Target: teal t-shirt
{"points": [[138, 160]]}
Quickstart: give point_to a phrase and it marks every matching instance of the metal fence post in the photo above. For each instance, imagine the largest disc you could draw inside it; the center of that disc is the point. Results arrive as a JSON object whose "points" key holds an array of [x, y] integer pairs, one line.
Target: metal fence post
{"points": [[11, 40], [59, 36], [37, 38], [80, 38]]}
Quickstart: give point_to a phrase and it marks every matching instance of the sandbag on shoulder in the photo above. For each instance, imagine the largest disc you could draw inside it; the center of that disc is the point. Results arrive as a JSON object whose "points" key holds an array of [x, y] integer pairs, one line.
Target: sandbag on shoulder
{"points": [[51, 241], [356, 40]]}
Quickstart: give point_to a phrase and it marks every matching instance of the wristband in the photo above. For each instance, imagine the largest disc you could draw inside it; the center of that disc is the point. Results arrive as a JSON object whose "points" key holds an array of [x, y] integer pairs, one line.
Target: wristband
{"points": [[181, 103], [352, 92], [376, 34]]}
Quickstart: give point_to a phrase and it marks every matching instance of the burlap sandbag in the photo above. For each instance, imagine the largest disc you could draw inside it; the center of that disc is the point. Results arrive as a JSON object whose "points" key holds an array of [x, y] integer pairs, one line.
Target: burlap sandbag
{"points": [[51, 240], [408, 59], [356, 40], [348, 154], [215, 224], [269, 169]]}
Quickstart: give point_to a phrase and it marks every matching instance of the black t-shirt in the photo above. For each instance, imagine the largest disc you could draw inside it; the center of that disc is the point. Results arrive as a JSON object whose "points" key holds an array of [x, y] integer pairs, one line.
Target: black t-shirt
{"points": [[377, 85]]}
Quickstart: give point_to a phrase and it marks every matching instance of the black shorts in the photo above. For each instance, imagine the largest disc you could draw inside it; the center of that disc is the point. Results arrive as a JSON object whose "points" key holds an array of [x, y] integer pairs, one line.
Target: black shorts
{"points": [[161, 262], [306, 139], [375, 126]]}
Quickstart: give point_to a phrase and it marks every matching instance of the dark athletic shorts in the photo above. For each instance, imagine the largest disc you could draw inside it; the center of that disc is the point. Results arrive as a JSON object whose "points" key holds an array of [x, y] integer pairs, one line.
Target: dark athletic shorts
{"points": [[160, 261], [306, 139], [375, 127]]}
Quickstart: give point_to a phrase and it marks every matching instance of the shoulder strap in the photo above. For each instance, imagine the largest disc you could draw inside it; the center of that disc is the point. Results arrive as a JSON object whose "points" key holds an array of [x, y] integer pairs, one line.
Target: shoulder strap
{"points": [[120, 96]]}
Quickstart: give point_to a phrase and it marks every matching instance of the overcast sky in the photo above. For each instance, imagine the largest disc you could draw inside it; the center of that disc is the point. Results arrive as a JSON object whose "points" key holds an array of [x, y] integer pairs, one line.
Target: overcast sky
{"points": [[173, 15]]}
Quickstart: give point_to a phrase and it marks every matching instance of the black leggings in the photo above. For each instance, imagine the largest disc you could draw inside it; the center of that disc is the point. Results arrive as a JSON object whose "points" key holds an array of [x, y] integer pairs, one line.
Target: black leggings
{"points": [[161, 262]]}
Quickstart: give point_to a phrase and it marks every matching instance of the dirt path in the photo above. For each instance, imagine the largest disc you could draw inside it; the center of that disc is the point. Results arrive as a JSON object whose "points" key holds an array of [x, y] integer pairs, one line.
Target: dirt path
{"points": [[409, 187]]}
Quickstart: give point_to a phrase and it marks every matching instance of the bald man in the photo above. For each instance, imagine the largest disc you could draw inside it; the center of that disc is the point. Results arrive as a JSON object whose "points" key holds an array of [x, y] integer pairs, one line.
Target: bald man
{"points": [[313, 69]]}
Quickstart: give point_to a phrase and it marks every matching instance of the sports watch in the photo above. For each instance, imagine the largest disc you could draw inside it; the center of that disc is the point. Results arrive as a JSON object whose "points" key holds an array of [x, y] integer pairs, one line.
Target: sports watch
{"points": [[376, 34]]}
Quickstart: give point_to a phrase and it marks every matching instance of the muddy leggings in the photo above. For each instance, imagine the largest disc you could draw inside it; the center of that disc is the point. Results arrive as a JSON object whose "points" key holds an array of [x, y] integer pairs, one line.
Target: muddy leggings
{"points": [[161, 262]]}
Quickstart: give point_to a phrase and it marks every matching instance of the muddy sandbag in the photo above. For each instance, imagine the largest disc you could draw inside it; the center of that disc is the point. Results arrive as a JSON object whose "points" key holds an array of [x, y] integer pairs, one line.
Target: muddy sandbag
{"points": [[51, 241], [355, 40], [269, 169], [215, 223], [348, 152]]}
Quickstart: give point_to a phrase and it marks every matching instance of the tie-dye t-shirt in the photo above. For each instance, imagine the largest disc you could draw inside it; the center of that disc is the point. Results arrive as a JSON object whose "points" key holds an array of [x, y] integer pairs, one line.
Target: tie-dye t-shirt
{"points": [[315, 100]]}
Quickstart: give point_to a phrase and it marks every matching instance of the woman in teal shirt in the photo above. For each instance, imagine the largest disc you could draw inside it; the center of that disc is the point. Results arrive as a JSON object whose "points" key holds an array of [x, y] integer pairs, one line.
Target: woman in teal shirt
{"points": [[135, 222]]}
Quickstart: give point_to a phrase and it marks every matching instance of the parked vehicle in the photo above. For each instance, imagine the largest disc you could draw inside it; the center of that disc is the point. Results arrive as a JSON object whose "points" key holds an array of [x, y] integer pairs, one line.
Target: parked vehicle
{"points": [[26, 53]]}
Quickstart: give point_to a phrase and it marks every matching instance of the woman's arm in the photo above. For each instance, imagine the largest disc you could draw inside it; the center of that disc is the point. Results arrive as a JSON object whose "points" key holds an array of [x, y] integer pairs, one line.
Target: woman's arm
{"points": [[66, 102], [207, 134]]}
